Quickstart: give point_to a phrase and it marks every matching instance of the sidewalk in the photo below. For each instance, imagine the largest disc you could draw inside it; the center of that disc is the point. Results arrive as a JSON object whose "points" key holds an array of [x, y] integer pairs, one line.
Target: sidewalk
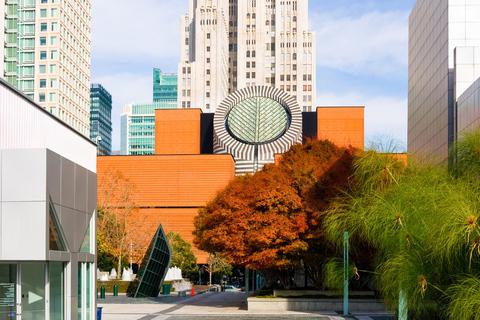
{"points": [[209, 305]]}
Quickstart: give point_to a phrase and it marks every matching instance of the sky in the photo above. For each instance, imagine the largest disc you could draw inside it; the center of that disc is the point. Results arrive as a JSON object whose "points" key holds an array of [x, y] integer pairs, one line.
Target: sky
{"points": [[362, 56]]}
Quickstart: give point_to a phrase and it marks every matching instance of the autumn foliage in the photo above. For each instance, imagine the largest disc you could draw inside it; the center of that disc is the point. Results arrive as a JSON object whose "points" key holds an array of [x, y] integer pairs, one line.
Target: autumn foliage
{"points": [[270, 220]]}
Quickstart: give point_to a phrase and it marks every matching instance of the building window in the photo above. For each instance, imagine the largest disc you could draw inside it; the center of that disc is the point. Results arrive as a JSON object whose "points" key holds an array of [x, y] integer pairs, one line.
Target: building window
{"points": [[44, 1], [253, 75], [248, 75], [253, 64], [43, 41], [208, 49], [54, 26], [53, 68], [248, 64], [43, 83], [43, 26], [53, 54], [208, 83], [207, 105], [208, 60], [208, 71], [248, 54], [53, 41], [208, 94], [282, 77], [52, 97], [42, 69], [208, 35], [253, 54], [41, 97], [53, 13], [43, 55], [53, 83], [43, 14]]}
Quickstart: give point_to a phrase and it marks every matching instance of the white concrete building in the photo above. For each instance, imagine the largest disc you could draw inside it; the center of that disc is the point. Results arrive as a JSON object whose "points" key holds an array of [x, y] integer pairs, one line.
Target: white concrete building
{"points": [[444, 61], [48, 202], [230, 45], [46, 53]]}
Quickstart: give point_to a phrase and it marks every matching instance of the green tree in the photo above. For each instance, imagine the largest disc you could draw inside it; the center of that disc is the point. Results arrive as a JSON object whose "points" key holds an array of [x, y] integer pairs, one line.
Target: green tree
{"points": [[423, 223], [182, 254]]}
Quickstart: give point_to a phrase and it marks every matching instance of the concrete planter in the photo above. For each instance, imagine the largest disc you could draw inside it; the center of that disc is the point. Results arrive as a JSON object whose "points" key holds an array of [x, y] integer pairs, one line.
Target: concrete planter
{"points": [[309, 304]]}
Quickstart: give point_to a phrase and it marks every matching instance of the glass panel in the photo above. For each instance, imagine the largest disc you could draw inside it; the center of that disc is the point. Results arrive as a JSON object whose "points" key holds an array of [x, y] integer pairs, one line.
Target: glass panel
{"points": [[86, 242], [80, 291], [88, 291], [33, 291], [8, 282], [57, 288], [56, 239]]}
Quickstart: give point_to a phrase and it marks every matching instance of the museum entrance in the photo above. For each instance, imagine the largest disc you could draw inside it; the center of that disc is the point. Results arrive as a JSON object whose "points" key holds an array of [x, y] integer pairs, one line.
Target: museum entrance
{"points": [[32, 291]]}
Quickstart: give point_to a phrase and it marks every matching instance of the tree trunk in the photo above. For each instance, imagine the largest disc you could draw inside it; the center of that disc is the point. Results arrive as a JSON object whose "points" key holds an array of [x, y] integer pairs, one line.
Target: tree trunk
{"points": [[119, 275], [210, 274]]}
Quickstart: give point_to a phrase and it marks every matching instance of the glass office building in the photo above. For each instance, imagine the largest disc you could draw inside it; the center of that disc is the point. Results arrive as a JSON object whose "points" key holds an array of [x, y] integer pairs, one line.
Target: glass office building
{"points": [[138, 127], [101, 118], [164, 86]]}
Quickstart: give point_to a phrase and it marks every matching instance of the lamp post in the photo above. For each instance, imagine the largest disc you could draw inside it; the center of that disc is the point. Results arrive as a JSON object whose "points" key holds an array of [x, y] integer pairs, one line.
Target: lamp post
{"points": [[97, 140]]}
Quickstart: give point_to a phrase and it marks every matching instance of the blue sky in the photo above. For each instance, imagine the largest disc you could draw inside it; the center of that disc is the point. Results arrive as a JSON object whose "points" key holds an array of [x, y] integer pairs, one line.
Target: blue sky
{"points": [[362, 55]]}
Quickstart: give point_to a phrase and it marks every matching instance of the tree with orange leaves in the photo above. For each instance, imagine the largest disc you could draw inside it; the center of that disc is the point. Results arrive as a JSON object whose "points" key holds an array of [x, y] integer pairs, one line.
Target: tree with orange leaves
{"points": [[270, 220]]}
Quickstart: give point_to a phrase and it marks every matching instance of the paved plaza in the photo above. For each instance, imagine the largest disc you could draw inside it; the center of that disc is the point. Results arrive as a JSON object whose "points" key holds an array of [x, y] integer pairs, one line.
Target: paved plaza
{"points": [[208, 305]]}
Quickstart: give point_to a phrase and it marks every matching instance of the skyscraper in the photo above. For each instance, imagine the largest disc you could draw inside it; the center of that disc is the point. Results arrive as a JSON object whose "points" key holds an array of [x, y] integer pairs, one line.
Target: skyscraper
{"points": [[46, 54], [164, 86], [101, 118], [230, 45], [137, 136], [444, 60]]}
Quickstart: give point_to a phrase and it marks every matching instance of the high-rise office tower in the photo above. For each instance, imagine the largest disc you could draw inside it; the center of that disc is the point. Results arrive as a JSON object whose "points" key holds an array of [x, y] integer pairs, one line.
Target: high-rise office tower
{"points": [[443, 62], [229, 45], [164, 86], [101, 118], [46, 54]]}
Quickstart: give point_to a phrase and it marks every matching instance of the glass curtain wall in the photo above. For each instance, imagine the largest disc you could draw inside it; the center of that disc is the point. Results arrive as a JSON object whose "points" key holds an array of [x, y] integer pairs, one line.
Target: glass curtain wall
{"points": [[8, 290], [57, 290]]}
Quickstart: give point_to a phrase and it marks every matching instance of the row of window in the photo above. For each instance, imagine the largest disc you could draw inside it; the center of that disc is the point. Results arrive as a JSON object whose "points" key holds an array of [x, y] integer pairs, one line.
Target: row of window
{"points": [[43, 41], [42, 97], [294, 77], [53, 13]]}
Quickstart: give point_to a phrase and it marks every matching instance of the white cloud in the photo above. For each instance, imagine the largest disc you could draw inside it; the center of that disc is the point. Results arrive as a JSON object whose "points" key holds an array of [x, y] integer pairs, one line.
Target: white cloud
{"points": [[384, 116], [138, 30], [374, 43]]}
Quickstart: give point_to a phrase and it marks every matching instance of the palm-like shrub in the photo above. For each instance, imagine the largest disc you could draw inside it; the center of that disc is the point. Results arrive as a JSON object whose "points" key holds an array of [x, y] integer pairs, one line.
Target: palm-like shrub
{"points": [[424, 223]]}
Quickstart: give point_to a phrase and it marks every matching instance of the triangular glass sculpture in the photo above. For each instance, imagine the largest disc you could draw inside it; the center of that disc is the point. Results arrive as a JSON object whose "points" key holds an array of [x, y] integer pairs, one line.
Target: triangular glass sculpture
{"points": [[56, 239]]}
